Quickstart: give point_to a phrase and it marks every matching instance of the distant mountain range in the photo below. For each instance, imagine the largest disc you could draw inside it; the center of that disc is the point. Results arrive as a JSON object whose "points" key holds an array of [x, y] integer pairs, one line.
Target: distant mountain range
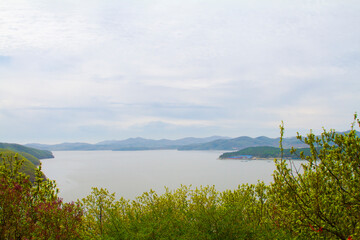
{"points": [[209, 143], [130, 144], [244, 142], [190, 143]]}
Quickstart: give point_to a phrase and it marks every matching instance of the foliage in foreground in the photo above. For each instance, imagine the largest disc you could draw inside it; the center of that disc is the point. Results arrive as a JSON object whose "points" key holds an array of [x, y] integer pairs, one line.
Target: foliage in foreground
{"points": [[319, 201], [8, 159], [201, 213], [325, 196], [33, 210]]}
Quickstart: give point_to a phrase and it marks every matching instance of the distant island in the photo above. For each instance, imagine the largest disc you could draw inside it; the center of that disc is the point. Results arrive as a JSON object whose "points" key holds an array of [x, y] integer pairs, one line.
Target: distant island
{"points": [[264, 152]]}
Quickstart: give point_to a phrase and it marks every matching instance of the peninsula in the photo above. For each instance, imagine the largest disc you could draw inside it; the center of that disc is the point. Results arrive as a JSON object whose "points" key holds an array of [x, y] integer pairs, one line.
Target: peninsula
{"points": [[264, 152]]}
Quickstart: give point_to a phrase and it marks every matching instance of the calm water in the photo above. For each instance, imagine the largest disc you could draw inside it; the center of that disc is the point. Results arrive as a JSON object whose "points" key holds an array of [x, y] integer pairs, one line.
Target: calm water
{"points": [[130, 173]]}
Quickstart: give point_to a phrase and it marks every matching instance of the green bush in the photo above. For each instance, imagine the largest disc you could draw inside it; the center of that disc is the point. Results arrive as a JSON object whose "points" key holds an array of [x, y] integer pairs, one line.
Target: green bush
{"points": [[323, 199], [33, 210]]}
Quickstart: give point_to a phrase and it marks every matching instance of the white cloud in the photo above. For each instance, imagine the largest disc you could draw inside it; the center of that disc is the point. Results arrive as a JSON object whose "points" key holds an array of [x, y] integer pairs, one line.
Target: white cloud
{"points": [[231, 67]]}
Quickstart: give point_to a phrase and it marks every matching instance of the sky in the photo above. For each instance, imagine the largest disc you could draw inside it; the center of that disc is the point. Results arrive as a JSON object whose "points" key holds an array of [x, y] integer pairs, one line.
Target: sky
{"points": [[94, 70]]}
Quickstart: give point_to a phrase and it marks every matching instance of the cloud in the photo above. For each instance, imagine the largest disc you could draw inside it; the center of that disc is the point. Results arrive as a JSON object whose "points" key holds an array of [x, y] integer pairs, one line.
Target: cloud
{"points": [[115, 69]]}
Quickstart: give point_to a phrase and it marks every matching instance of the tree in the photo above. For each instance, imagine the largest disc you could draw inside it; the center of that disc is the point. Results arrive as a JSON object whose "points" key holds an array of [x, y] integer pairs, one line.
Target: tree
{"points": [[33, 210], [322, 199], [97, 207]]}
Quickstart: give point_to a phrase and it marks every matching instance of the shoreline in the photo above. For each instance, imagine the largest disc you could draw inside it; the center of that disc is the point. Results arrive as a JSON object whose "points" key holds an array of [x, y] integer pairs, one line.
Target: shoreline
{"points": [[267, 159]]}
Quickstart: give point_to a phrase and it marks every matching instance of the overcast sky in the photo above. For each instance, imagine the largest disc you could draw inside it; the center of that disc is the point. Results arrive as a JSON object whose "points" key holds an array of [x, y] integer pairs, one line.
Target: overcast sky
{"points": [[93, 70]]}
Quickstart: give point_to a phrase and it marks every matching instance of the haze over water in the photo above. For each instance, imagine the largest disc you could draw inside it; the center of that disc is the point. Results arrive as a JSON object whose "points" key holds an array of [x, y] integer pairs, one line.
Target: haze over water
{"points": [[130, 173]]}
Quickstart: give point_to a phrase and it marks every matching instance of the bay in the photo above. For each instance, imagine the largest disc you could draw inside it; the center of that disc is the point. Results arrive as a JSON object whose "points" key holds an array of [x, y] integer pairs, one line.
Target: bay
{"points": [[130, 173]]}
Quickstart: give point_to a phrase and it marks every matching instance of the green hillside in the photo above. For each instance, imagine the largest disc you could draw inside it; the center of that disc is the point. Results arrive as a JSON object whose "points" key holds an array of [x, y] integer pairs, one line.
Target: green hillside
{"points": [[265, 152], [6, 157], [31, 158], [40, 154]]}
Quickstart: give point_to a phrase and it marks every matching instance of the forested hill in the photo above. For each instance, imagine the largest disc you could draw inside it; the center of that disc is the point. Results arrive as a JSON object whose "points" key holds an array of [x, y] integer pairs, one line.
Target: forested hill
{"points": [[24, 150], [29, 155], [28, 167], [264, 152], [244, 142]]}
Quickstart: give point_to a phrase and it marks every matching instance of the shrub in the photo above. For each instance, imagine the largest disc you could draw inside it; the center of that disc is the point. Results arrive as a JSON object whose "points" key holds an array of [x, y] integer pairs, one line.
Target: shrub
{"points": [[33, 210]]}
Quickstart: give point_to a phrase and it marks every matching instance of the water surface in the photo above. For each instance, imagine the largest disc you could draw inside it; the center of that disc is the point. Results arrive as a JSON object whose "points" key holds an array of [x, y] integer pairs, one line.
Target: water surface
{"points": [[130, 173]]}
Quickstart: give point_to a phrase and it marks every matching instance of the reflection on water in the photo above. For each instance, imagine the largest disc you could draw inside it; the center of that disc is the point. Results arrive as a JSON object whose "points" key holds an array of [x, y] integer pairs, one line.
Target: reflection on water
{"points": [[130, 173]]}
